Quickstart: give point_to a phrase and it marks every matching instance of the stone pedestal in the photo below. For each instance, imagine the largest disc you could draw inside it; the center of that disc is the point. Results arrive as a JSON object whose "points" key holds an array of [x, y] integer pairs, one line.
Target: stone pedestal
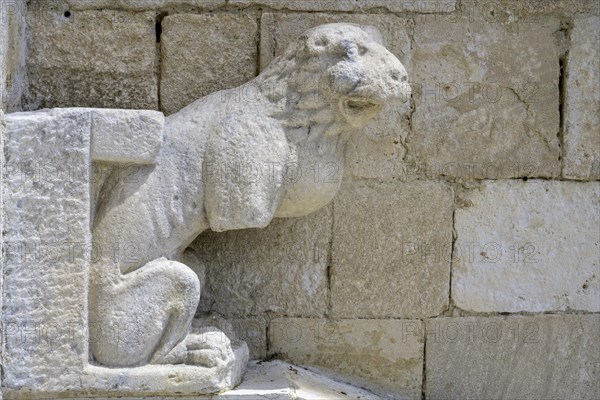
{"points": [[47, 192]]}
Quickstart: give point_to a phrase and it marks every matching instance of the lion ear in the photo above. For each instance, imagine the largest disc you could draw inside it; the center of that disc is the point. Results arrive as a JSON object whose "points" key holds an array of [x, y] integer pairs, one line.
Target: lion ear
{"points": [[243, 172]]}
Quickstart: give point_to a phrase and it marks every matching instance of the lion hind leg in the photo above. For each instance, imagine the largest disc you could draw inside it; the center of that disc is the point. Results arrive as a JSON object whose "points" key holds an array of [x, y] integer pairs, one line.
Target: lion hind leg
{"points": [[158, 302]]}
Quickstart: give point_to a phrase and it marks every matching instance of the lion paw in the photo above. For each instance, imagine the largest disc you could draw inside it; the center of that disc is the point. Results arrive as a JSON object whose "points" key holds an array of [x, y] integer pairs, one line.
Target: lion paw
{"points": [[209, 349]]}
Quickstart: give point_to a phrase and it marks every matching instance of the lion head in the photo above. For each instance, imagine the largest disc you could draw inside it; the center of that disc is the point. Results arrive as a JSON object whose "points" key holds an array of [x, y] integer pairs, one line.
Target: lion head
{"points": [[341, 69]]}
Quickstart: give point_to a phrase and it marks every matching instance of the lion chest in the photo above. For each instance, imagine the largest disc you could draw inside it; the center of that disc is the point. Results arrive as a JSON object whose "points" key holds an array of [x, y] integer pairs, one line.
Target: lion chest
{"points": [[310, 179]]}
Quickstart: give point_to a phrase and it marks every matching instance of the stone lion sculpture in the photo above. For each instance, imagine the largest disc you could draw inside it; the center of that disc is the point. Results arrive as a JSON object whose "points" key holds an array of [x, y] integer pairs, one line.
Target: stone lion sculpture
{"points": [[327, 85]]}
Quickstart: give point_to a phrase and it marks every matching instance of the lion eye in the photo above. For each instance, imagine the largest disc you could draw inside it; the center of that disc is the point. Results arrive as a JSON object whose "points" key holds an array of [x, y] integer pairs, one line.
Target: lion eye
{"points": [[322, 42], [362, 50]]}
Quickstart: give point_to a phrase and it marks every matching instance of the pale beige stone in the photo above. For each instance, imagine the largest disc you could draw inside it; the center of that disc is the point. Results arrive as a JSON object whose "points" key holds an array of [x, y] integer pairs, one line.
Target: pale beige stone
{"points": [[281, 268], [517, 357], [12, 53], [582, 107], [2, 132], [379, 150], [385, 356], [253, 331], [133, 136], [493, 11], [202, 54], [391, 250], [421, 6], [47, 252], [130, 5], [46, 248], [92, 59], [280, 380], [486, 98], [528, 246]]}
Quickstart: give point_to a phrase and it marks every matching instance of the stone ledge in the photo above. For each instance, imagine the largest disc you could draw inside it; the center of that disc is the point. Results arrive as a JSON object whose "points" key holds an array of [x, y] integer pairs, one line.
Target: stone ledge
{"points": [[262, 380], [278, 379], [132, 136]]}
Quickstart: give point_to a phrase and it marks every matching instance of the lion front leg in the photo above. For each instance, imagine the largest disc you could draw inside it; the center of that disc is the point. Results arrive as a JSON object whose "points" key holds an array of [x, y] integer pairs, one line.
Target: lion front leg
{"points": [[140, 317]]}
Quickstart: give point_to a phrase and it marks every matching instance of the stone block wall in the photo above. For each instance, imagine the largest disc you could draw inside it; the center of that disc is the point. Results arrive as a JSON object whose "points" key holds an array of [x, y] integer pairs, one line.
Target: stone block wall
{"points": [[461, 257]]}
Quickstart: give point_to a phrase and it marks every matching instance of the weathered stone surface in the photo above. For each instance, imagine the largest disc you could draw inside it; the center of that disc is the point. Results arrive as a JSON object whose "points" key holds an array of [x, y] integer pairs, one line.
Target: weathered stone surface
{"points": [[46, 248], [279, 30], [391, 250], [130, 5], [486, 98], [278, 379], [422, 6], [513, 10], [3, 61], [91, 58], [281, 268], [378, 151], [541, 357], [202, 54], [12, 53], [2, 133], [582, 108], [253, 331], [133, 136], [46, 259], [528, 246], [385, 356]]}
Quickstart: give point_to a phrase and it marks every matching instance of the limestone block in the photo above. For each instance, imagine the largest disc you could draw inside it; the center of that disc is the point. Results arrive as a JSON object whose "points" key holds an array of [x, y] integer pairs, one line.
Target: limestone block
{"points": [[496, 11], [133, 136], [486, 98], [422, 6], [281, 268], [385, 356], [47, 248], [130, 5], [3, 61], [582, 105], [12, 53], [528, 246], [391, 250], [2, 133], [517, 357], [68, 59], [378, 151], [202, 54]]}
